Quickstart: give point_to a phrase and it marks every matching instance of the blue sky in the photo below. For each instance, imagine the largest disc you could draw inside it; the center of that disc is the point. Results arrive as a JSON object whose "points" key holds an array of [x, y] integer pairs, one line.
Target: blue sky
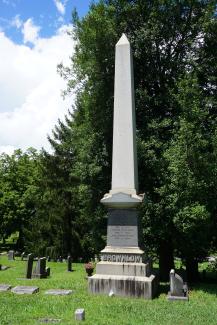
{"points": [[48, 14], [33, 40]]}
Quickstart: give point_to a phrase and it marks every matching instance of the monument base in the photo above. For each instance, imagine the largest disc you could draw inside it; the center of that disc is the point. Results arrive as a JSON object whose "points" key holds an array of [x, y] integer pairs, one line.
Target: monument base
{"points": [[122, 285], [174, 298], [126, 269]]}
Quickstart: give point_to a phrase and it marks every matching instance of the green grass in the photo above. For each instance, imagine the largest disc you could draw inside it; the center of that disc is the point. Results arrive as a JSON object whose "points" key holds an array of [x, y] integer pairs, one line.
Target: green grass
{"points": [[100, 310]]}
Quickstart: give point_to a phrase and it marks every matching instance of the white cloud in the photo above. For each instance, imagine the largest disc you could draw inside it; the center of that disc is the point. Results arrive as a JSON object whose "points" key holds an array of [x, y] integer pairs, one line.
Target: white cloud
{"points": [[30, 90], [17, 22], [30, 31], [60, 6]]}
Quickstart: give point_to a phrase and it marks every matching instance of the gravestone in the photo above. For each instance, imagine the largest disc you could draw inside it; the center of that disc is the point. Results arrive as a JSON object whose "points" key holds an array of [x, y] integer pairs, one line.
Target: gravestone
{"points": [[29, 265], [21, 290], [123, 267], [178, 289], [69, 263], [4, 287], [22, 256], [40, 269], [11, 255], [80, 314], [58, 292], [60, 259], [47, 271]]}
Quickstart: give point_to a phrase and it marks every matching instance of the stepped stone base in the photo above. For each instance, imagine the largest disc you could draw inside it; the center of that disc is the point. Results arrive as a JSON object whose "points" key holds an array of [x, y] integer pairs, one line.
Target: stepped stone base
{"points": [[126, 269], [122, 285]]}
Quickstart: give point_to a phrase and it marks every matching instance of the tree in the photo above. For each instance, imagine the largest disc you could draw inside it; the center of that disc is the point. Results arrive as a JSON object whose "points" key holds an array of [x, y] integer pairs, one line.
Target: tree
{"points": [[18, 175], [191, 179]]}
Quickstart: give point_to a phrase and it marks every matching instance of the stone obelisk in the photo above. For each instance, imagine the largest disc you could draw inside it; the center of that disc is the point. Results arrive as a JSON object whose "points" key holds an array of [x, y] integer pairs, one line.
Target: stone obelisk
{"points": [[122, 269]]}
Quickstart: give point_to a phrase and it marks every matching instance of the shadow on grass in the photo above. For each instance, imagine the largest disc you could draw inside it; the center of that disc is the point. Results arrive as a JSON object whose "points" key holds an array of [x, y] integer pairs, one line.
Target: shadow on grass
{"points": [[210, 288], [163, 287], [207, 283]]}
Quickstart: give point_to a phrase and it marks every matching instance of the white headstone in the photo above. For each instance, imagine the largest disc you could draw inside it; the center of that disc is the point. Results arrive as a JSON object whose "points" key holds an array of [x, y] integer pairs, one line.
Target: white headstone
{"points": [[80, 314]]}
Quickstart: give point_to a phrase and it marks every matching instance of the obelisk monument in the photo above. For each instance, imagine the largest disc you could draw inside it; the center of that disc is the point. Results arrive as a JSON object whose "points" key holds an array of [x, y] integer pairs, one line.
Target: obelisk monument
{"points": [[122, 269]]}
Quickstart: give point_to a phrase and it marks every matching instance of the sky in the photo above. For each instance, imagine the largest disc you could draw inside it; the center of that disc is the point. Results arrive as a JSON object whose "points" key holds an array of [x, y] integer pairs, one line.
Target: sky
{"points": [[33, 40]]}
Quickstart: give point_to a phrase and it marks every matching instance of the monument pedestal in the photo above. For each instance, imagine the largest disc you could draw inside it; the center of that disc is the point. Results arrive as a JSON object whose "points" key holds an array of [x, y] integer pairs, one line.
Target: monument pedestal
{"points": [[123, 285], [122, 269]]}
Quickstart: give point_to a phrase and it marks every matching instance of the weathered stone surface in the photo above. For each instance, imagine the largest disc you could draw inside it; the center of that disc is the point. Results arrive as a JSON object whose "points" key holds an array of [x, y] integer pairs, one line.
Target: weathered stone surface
{"points": [[29, 266], [11, 255], [124, 171], [47, 271], [58, 292], [69, 263], [122, 230], [25, 290], [23, 256], [178, 290], [40, 269], [4, 287], [127, 269], [4, 267], [131, 286], [80, 314]]}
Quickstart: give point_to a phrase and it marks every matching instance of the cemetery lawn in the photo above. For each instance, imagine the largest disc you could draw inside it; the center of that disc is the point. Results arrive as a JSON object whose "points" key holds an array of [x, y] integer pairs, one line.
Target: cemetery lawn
{"points": [[100, 310]]}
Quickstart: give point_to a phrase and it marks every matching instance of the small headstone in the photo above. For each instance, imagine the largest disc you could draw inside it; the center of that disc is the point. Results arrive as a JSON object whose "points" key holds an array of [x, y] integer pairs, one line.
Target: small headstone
{"points": [[40, 269], [11, 255], [48, 271], [48, 258], [22, 256], [80, 314], [4, 287], [4, 267], [178, 289], [21, 290], [29, 266], [96, 259], [58, 292], [111, 293], [69, 263]]}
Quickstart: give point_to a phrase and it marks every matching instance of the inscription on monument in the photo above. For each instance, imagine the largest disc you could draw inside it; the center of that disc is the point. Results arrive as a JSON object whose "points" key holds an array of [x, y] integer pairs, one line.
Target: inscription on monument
{"points": [[122, 228], [122, 258], [122, 236]]}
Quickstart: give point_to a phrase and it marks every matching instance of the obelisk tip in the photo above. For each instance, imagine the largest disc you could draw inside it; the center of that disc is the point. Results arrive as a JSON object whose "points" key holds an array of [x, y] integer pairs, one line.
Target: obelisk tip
{"points": [[123, 40]]}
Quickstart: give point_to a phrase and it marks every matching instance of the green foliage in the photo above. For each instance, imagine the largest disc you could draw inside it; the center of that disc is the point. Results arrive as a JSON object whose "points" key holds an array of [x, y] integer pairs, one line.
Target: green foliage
{"points": [[18, 182]]}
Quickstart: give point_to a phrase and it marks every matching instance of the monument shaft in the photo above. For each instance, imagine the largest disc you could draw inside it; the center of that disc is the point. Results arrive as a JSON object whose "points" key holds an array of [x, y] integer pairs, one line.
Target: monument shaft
{"points": [[124, 160]]}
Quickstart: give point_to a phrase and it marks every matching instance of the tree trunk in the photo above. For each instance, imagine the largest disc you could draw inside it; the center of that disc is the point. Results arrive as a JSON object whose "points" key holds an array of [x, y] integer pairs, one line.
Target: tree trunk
{"points": [[166, 261], [192, 270]]}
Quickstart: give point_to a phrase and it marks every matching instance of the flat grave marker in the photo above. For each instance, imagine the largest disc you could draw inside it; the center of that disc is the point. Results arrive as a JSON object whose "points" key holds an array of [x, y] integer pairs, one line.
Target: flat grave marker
{"points": [[58, 292], [5, 287], [21, 290]]}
